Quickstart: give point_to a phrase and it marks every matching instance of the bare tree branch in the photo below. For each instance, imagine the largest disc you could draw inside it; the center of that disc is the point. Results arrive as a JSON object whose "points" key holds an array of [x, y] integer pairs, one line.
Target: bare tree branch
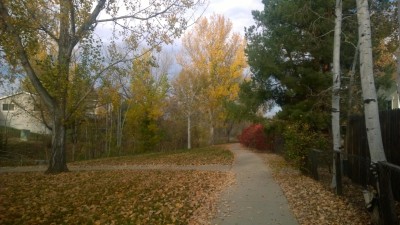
{"points": [[138, 17]]}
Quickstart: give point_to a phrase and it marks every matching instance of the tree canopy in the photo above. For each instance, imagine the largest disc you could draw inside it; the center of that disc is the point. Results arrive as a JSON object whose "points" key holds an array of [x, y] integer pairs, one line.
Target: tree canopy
{"points": [[214, 54], [62, 30], [290, 54]]}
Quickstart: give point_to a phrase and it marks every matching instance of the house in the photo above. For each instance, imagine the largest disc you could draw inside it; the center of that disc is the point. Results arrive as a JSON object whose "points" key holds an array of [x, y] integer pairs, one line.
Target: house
{"points": [[391, 98], [19, 111]]}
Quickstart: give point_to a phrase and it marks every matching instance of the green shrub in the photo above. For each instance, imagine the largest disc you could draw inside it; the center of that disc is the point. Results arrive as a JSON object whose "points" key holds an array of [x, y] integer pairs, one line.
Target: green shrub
{"points": [[299, 138]]}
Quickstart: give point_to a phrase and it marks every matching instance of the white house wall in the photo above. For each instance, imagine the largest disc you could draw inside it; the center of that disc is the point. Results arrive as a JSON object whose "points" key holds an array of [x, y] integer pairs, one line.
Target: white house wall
{"points": [[395, 101], [23, 116]]}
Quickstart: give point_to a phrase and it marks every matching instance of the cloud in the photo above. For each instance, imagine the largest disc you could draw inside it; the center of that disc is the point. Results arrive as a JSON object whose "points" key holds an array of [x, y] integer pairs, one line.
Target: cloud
{"points": [[236, 11]]}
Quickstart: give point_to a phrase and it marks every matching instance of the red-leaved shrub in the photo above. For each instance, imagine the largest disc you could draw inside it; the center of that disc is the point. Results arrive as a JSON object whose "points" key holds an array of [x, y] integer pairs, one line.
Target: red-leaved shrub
{"points": [[254, 137]]}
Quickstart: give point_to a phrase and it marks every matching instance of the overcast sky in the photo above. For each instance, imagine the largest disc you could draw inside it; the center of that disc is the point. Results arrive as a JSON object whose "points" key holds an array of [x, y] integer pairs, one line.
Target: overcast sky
{"points": [[238, 11]]}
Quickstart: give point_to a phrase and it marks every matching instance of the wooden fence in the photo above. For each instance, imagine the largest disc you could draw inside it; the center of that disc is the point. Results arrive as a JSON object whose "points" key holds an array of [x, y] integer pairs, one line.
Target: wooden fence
{"points": [[357, 153]]}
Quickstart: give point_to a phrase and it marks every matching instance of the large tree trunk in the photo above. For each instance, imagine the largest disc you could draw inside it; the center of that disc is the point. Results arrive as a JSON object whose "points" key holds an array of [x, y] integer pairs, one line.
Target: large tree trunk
{"points": [[372, 123], [336, 88], [58, 162], [368, 84]]}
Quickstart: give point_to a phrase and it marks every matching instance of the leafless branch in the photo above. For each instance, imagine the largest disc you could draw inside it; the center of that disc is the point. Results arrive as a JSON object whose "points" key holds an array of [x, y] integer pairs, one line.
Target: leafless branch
{"points": [[138, 17], [323, 35]]}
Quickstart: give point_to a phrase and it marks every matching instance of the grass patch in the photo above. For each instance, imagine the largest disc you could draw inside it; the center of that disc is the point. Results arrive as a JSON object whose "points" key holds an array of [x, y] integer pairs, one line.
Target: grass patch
{"points": [[108, 197], [198, 156]]}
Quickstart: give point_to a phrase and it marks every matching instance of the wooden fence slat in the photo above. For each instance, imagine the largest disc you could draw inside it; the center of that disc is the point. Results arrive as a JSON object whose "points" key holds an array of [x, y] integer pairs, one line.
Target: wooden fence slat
{"points": [[358, 169], [386, 200]]}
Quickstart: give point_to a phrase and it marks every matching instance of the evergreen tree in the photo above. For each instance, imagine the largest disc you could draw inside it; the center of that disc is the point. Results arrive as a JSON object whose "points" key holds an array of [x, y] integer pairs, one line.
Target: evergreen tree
{"points": [[289, 51]]}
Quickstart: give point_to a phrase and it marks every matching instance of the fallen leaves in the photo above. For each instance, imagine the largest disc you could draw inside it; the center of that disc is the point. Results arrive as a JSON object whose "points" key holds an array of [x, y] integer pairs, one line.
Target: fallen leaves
{"points": [[312, 202], [199, 156], [110, 197]]}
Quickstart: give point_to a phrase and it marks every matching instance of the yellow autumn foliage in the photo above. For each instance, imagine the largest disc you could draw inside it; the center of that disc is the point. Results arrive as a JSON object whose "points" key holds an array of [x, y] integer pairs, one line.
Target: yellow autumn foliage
{"points": [[147, 103], [215, 55]]}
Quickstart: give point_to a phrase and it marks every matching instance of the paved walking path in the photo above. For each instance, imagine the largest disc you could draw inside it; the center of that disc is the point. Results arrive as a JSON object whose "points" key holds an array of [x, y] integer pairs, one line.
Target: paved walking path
{"points": [[255, 198]]}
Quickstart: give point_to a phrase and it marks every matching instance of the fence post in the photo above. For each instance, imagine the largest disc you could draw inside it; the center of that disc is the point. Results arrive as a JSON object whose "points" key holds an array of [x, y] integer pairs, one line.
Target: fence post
{"points": [[338, 165], [314, 163], [1, 141], [387, 212]]}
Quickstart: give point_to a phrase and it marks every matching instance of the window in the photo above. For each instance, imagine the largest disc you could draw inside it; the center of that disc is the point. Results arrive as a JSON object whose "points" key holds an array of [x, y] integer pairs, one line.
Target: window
{"points": [[8, 107], [389, 105]]}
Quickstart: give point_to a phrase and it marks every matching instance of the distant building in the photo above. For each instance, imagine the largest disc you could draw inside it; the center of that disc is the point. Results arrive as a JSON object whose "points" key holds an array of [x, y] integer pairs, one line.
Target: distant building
{"points": [[19, 111], [22, 111], [391, 98]]}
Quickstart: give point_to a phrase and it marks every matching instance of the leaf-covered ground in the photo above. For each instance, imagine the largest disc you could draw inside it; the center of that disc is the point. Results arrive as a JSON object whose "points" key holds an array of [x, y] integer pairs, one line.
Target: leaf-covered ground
{"points": [[110, 197], [312, 202], [199, 156]]}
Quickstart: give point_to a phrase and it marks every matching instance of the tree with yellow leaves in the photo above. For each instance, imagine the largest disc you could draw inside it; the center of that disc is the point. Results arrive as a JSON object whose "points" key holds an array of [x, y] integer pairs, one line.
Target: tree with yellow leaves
{"points": [[215, 54], [26, 26], [149, 91]]}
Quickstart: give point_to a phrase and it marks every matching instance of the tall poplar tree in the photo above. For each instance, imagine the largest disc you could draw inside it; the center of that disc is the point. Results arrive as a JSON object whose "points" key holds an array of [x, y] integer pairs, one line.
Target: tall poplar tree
{"points": [[186, 89], [215, 54], [370, 99], [147, 103]]}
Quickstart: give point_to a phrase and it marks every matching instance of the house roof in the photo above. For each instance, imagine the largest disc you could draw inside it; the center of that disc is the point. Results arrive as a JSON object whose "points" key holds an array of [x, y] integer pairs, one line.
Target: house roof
{"points": [[12, 95]]}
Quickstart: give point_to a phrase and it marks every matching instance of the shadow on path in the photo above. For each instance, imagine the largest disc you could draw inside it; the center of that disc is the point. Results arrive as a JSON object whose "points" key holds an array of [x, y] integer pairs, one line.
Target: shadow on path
{"points": [[255, 198]]}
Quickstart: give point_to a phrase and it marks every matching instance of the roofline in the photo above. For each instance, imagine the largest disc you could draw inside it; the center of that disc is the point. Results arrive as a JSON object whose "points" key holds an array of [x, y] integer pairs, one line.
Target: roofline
{"points": [[18, 93]]}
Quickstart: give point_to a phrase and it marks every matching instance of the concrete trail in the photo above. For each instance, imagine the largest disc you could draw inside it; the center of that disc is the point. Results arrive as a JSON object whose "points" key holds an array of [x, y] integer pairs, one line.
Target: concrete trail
{"points": [[255, 198]]}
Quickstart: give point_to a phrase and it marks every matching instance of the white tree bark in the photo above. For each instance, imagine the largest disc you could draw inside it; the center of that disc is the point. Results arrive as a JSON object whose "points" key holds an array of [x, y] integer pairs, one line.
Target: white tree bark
{"points": [[336, 85], [186, 89], [336, 77], [368, 84]]}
